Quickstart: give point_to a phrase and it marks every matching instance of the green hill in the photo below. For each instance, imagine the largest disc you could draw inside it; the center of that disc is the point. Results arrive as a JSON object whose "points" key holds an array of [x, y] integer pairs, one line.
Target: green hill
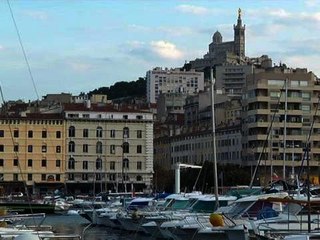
{"points": [[123, 89]]}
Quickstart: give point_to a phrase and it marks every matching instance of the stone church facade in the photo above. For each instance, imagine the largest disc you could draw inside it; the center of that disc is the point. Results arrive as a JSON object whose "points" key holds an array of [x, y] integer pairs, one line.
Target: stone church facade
{"points": [[220, 52]]}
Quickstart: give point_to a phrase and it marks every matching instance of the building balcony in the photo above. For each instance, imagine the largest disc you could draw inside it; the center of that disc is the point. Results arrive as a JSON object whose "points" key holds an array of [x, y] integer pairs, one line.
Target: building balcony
{"points": [[258, 111], [261, 137], [258, 124], [294, 124], [258, 99]]}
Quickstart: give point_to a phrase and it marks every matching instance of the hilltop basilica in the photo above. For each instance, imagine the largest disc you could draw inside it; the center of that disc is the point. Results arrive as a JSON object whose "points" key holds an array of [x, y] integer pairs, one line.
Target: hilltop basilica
{"points": [[232, 52]]}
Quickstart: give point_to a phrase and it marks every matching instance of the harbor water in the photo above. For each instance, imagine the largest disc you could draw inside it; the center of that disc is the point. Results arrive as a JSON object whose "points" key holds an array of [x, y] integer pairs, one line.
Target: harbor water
{"points": [[75, 224]]}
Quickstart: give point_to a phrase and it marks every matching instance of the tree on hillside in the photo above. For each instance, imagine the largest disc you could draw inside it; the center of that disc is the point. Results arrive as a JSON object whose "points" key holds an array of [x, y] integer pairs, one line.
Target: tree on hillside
{"points": [[123, 89]]}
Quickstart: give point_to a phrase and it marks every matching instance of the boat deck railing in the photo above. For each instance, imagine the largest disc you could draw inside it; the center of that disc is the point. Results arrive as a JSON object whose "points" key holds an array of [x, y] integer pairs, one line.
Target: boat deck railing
{"points": [[69, 236]]}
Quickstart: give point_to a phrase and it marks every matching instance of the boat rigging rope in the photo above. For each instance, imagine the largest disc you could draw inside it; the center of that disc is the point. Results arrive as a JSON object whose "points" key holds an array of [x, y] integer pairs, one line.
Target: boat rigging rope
{"points": [[266, 140], [2, 96], [307, 147], [23, 50]]}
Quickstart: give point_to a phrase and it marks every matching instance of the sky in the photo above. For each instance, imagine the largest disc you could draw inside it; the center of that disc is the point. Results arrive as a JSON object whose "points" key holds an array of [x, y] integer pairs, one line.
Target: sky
{"points": [[75, 46]]}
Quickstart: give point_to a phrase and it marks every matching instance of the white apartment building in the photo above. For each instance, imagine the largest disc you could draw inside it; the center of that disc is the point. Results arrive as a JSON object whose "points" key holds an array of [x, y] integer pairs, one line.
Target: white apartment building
{"points": [[108, 148], [172, 81]]}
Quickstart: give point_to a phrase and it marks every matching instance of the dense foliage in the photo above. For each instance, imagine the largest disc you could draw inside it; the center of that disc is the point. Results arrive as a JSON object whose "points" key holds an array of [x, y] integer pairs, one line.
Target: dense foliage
{"points": [[123, 89]]}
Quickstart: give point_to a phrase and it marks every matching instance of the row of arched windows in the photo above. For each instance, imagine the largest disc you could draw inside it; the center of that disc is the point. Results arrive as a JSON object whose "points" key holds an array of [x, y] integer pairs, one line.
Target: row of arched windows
{"points": [[98, 163], [72, 147], [99, 132]]}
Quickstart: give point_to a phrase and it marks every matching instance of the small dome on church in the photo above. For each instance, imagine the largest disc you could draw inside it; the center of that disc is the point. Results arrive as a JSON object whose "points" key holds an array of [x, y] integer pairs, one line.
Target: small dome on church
{"points": [[217, 37]]}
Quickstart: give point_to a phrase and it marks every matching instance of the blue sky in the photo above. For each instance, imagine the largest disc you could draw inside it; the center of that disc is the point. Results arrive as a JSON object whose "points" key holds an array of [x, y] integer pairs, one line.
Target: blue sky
{"points": [[77, 46]]}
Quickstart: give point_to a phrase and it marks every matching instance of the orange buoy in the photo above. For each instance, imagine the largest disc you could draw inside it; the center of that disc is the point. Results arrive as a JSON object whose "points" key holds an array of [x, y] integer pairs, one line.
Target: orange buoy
{"points": [[216, 220]]}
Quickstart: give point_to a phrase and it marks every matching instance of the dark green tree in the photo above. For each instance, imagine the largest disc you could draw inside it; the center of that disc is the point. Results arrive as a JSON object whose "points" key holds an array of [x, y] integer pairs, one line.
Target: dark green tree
{"points": [[123, 89]]}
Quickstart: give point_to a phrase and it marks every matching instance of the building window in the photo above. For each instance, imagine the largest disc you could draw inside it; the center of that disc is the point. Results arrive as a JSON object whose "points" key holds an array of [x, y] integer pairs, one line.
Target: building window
{"points": [[44, 148], [139, 178], [58, 177], [112, 149], [15, 162], [1, 177], [43, 163], [139, 133], [112, 165], [44, 134], [16, 148], [16, 133], [71, 176], [99, 163], [29, 177], [99, 147], [85, 165], [1, 148], [30, 134], [305, 108], [85, 148], [71, 146], [30, 148], [112, 177], [99, 132], [125, 177], [85, 176], [72, 131], [29, 162], [58, 134], [125, 116], [15, 177], [85, 133], [125, 163], [125, 147], [58, 149], [71, 163], [139, 148], [43, 177], [126, 132], [1, 133], [98, 176], [112, 133], [1, 162], [139, 165]]}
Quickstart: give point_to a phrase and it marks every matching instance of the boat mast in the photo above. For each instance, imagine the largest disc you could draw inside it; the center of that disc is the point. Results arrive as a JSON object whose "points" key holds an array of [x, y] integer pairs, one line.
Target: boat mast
{"points": [[215, 170], [285, 130]]}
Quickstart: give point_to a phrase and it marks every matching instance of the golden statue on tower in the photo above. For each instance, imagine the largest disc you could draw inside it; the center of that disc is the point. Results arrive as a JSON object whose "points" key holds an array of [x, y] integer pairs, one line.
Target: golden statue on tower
{"points": [[239, 13]]}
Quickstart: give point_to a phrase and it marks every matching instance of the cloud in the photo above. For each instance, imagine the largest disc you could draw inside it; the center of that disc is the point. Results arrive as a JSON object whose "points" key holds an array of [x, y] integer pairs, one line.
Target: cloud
{"points": [[154, 50], [170, 30], [1, 47], [166, 49], [310, 62], [177, 31], [196, 10], [80, 66], [136, 27], [279, 15], [312, 3], [38, 15]]}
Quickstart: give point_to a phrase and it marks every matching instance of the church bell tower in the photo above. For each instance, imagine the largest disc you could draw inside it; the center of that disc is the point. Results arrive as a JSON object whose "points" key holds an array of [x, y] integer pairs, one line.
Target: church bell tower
{"points": [[239, 37]]}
